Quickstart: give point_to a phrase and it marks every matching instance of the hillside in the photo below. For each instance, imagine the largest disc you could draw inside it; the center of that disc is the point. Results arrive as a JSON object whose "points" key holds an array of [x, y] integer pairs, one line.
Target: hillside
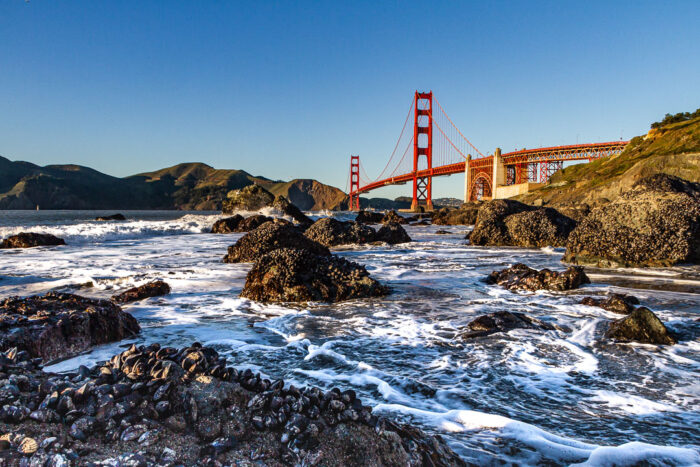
{"points": [[672, 149], [188, 186]]}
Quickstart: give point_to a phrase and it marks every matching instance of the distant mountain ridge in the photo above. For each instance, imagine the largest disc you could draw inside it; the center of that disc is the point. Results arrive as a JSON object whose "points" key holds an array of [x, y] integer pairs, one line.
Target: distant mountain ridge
{"points": [[187, 186]]}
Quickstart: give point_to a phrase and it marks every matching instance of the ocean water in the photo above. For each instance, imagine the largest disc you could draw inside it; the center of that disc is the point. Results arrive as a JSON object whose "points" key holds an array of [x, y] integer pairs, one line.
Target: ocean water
{"points": [[527, 397]]}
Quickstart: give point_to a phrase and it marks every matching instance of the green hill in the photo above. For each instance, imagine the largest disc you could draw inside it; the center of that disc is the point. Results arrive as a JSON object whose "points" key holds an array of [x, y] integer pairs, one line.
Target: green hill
{"points": [[188, 186], [672, 148]]}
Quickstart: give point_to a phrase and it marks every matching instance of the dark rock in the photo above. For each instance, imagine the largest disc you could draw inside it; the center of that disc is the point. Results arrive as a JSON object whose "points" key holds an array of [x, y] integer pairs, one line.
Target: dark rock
{"points": [[282, 204], [392, 217], [252, 222], [392, 234], [643, 326], [30, 240], [522, 277], [369, 217], [292, 275], [250, 198], [617, 303], [60, 325], [113, 217], [656, 223], [539, 228], [268, 237], [442, 232], [227, 225], [465, 215], [332, 232], [506, 222], [152, 289], [504, 321]]}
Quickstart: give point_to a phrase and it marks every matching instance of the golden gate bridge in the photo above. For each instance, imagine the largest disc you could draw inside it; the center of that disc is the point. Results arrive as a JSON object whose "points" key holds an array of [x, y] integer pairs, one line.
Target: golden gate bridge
{"points": [[436, 147]]}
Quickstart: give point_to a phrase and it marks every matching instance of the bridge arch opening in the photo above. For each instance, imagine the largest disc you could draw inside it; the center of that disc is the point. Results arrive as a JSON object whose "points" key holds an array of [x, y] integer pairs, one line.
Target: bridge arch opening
{"points": [[481, 188]]}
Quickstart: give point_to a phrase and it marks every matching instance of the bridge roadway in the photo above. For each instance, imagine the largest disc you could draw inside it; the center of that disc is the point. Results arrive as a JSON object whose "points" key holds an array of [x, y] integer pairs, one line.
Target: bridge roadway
{"points": [[484, 165]]}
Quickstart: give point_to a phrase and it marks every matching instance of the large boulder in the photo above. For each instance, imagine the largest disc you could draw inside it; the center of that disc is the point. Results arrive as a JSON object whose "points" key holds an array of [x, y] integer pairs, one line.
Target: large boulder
{"points": [[293, 275], [250, 198], [392, 234], [521, 277], [151, 289], [504, 321], [465, 215], [332, 232], [59, 325], [268, 237], [369, 217], [656, 223], [539, 228], [30, 240], [506, 222], [252, 222], [227, 225], [643, 326], [617, 303], [392, 217], [282, 204]]}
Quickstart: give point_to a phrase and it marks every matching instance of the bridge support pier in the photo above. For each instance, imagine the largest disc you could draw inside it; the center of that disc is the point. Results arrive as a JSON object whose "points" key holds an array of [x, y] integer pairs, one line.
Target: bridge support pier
{"points": [[499, 173], [467, 179]]}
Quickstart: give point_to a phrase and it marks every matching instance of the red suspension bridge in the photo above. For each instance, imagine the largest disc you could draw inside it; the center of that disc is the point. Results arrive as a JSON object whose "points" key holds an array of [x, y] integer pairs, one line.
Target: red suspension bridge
{"points": [[436, 147]]}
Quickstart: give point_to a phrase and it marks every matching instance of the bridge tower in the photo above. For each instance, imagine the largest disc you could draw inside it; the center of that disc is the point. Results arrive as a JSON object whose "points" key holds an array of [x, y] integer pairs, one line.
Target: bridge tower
{"points": [[423, 147], [354, 183]]}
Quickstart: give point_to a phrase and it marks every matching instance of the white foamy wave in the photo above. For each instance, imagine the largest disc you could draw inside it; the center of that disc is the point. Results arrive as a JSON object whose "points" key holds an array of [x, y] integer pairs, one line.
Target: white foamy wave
{"points": [[95, 231], [553, 446]]}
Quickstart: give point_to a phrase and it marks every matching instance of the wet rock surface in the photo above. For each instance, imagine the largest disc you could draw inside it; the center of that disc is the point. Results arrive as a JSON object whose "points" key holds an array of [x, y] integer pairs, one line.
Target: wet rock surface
{"points": [[30, 240], [505, 222], [504, 321], [332, 232], [392, 217], [250, 198], [617, 303], [113, 217], [151, 289], [465, 215], [268, 237], [252, 222], [282, 204], [521, 277], [642, 326], [656, 223], [369, 217], [227, 225], [293, 275], [58, 325], [153, 405], [392, 234]]}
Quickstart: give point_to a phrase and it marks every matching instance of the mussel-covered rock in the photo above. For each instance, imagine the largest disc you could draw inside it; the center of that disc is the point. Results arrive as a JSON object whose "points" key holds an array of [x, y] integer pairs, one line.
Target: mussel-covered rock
{"points": [[250, 198], [282, 204], [332, 232], [504, 321], [392, 217], [293, 275], [30, 240], [60, 325], [465, 215], [641, 325], [656, 223], [392, 234], [151, 289], [617, 303], [251, 223], [369, 217], [521, 277], [505, 222], [269, 237], [227, 225]]}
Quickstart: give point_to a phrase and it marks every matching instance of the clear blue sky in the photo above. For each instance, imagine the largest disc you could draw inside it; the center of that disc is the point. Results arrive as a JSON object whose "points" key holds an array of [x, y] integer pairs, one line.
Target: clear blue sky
{"points": [[291, 89]]}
